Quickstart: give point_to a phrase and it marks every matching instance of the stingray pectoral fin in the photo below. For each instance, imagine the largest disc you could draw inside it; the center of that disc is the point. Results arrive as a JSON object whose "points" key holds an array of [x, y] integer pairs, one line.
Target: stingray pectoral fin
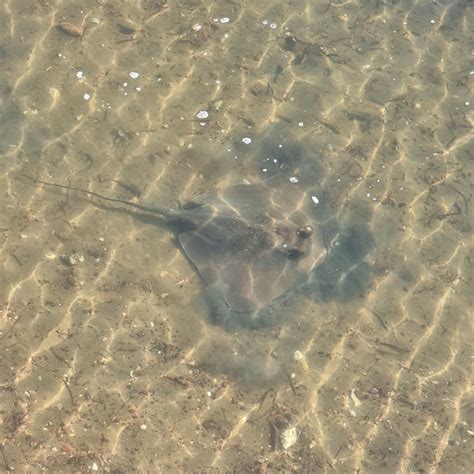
{"points": [[224, 273], [236, 287]]}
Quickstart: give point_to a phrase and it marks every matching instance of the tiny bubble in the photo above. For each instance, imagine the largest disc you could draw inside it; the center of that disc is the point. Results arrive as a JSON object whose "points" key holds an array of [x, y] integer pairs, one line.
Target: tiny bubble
{"points": [[273, 26], [87, 96], [246, 140]]}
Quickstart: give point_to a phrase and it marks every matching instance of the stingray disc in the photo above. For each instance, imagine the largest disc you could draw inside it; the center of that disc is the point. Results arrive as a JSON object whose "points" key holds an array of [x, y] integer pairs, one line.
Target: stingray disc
{"points": [[249, 248]]}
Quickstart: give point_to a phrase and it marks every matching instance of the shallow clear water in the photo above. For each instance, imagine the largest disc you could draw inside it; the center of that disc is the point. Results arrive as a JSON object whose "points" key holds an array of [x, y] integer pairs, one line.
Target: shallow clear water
{"points": [[112, 357]]}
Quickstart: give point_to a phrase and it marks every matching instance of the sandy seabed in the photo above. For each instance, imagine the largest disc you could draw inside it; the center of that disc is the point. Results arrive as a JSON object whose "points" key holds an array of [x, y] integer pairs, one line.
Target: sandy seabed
{"points": [[112, 359]]}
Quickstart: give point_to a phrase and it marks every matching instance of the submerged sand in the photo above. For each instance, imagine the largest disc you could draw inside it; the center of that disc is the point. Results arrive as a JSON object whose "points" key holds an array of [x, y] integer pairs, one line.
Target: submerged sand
{"points": [[112, 360]]}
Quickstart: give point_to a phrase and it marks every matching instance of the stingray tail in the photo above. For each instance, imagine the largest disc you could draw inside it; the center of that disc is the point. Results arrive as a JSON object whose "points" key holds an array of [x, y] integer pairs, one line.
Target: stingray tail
{"points": [[168, 213]]}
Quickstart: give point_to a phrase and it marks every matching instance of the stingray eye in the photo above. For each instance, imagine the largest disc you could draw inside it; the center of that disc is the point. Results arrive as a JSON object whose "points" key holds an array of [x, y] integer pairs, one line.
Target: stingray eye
{"points": [[305, 232], [294, 252]]}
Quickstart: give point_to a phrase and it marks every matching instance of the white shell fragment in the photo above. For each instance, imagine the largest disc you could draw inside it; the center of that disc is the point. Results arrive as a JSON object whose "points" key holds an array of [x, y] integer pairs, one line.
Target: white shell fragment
{"points": [[294, 179], [356, 401], [315, 199], [202, 114], [246, 140], [134, 75], [288, 437]]}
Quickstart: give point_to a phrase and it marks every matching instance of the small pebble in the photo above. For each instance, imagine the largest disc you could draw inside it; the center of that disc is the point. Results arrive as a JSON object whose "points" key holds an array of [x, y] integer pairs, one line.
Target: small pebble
{"points": [[288, 437], [315, 199], [294, 179], [297, 355], [225, 19], [80, 75], [87, 96], [95, 467], [300, 124], [143, 427], [134, 75], [197, 27], [246, 140]]}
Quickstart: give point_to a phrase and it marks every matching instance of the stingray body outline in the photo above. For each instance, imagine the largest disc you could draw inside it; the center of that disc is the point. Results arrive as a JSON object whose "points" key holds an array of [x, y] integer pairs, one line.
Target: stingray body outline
{"points": [[248, 242]]}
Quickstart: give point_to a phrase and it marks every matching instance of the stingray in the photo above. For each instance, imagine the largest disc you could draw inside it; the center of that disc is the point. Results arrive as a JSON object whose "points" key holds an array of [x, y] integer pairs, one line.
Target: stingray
{"points": [[250, 243]]}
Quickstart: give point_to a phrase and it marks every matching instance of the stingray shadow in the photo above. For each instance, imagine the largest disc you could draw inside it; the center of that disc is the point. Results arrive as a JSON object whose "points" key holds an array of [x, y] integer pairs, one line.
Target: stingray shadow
{"points": [[345, 273]]}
